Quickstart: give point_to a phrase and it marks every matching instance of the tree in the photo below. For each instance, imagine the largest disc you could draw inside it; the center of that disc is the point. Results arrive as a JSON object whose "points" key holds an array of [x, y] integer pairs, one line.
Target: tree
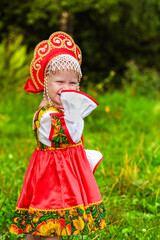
{"points": [[109, 32]]}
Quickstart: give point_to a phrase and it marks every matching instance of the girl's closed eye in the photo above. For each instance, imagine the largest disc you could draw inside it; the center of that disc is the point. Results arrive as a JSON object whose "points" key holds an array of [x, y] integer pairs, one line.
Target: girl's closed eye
{"points": [[73, 83], [59, 82]]}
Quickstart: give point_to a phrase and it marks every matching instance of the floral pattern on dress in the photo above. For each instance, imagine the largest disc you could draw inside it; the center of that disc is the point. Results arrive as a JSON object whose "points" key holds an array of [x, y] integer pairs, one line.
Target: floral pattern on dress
{"points": [[74, 220], [58, 137], [39, 113]]}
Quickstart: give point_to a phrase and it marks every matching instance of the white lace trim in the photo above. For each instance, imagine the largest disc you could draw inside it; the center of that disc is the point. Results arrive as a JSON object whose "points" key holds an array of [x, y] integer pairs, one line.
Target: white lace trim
{"points": [[63, 62]]}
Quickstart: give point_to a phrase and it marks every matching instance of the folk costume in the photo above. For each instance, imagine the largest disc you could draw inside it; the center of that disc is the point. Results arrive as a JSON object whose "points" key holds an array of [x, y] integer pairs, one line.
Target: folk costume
{"points": [[59, 194]]}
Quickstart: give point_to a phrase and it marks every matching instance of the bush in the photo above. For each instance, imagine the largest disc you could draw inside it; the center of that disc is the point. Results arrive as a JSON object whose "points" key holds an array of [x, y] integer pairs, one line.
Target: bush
{"points": [[142, 81], [14, 67]]}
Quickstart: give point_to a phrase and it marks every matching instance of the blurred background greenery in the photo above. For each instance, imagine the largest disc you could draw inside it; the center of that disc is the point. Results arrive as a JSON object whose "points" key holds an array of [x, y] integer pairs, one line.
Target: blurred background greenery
{"points": [[120, 36], [120, 43]]}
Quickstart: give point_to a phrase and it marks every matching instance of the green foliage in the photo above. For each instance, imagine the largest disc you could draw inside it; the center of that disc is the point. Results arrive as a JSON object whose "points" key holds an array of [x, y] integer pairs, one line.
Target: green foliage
{"points": [[138, 80], [110, 33], [115, 33], [106, 84], [14, 67], [143, 81]]}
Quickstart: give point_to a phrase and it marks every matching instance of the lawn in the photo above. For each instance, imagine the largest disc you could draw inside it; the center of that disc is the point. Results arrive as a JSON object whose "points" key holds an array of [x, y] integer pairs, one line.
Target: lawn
{"points": [[125, 128]]}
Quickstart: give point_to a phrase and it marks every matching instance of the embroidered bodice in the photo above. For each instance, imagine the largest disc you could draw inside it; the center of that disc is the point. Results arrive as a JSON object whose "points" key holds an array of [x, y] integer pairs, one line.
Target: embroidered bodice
{"points": [[57, 128], [48, 129]]}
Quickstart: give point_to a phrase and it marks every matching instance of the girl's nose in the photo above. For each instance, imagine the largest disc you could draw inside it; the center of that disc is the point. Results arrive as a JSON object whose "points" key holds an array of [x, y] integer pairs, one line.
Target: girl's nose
{"points": [[66, 87]]}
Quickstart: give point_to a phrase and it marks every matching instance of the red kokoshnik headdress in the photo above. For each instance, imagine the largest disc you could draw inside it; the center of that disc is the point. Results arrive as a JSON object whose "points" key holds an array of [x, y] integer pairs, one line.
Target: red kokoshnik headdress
{"points": [[57, 44]]}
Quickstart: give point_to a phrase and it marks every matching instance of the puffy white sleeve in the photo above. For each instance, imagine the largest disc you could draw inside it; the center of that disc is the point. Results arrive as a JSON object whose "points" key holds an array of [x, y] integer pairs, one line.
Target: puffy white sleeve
{"points": [[45, 128], [94, 158], [77, 105]]}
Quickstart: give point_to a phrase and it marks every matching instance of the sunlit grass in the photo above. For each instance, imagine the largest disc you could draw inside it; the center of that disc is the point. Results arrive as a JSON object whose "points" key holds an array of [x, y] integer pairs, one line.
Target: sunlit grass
{"points": [[125, 129]]}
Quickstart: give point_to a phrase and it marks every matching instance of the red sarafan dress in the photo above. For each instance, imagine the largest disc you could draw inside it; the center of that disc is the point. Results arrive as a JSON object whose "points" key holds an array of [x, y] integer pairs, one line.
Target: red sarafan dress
{"points": [[59, 194]]}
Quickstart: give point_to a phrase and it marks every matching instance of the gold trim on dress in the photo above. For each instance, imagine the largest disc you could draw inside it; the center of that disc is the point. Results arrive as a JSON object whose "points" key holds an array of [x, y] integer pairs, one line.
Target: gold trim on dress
{"points": [[58, 209], [52, 148]]}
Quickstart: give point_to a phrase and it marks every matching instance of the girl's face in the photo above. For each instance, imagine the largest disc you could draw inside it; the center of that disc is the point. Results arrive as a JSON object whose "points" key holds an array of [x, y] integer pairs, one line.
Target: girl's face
{"points": [[63, 80]]}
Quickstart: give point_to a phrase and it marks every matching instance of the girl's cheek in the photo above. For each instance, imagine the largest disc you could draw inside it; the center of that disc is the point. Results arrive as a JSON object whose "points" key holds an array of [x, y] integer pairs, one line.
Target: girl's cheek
{"points": [[74, 87]]}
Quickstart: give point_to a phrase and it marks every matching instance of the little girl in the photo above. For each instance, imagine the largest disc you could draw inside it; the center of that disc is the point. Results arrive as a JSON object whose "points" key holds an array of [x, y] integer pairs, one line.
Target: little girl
{"points": [[59, 194]]}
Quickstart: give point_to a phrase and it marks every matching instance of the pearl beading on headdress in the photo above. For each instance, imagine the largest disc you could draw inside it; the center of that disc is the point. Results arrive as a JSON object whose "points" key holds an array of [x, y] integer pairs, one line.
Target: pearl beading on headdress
{"points": [[45, 93], [64, 62]]}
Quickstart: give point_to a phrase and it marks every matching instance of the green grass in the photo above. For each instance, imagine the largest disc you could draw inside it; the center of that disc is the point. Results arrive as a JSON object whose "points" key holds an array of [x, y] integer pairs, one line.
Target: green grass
{"points": [[125, 129]]}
